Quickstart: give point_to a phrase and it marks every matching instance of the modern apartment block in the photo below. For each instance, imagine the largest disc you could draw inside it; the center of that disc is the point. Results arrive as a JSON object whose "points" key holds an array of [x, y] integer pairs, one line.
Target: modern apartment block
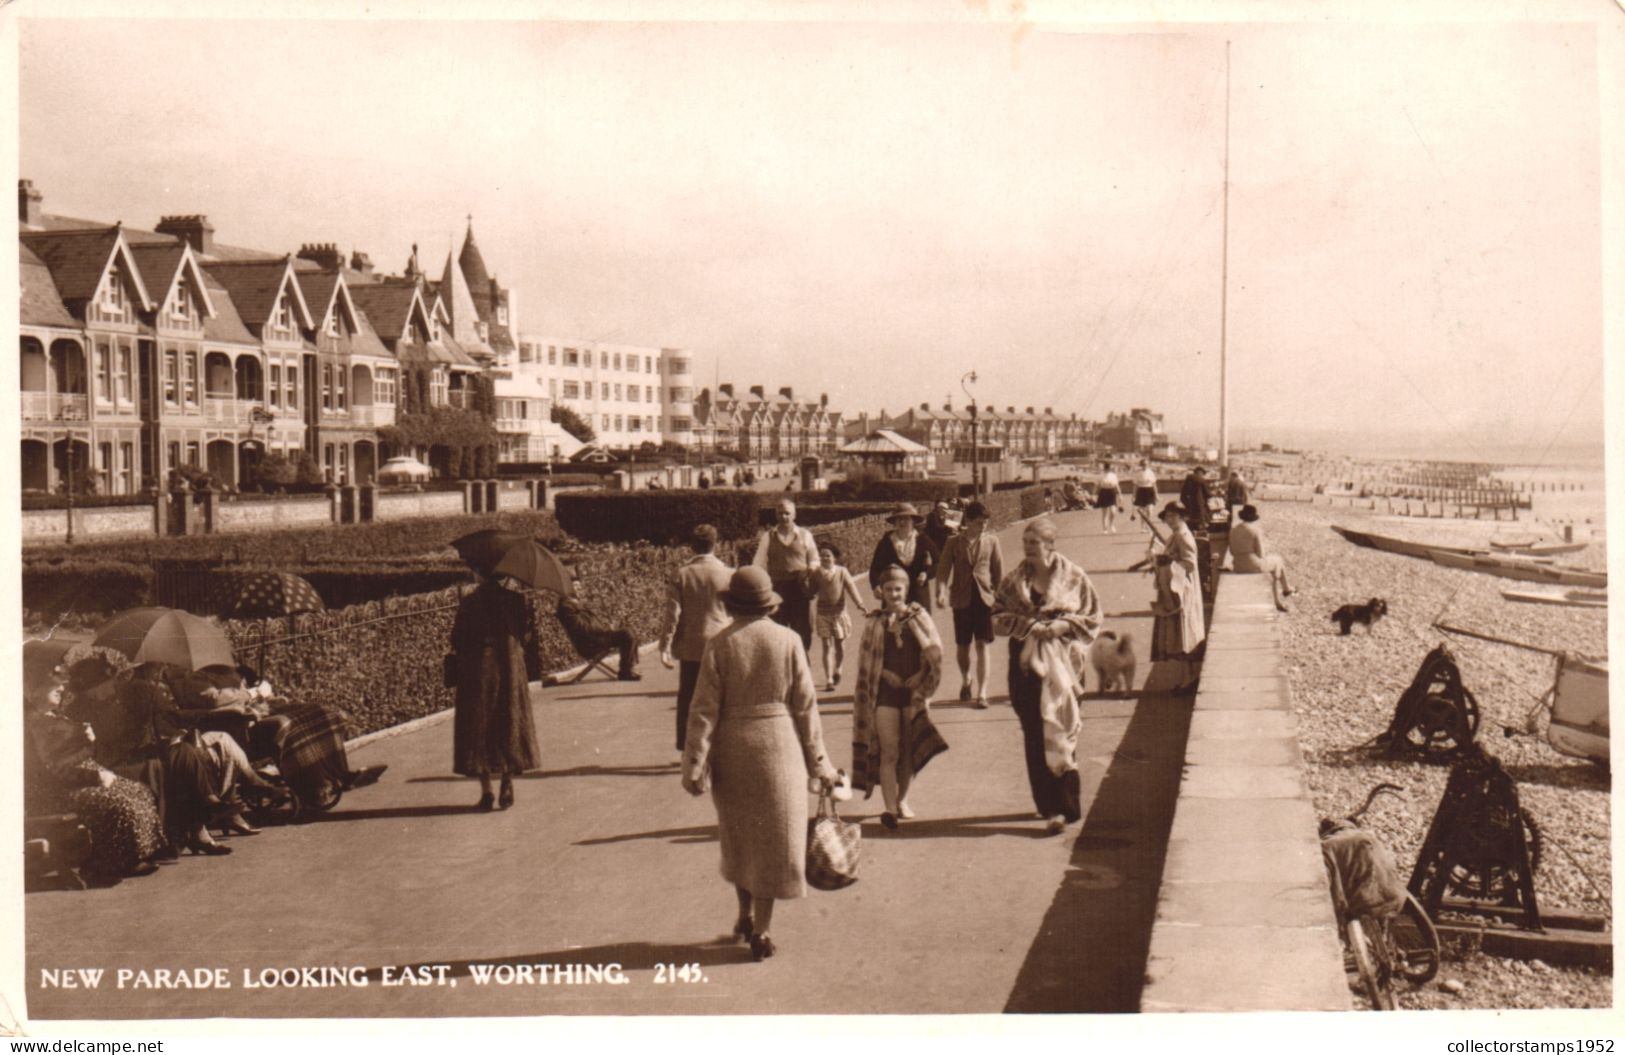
{"points": [[629, 394]]}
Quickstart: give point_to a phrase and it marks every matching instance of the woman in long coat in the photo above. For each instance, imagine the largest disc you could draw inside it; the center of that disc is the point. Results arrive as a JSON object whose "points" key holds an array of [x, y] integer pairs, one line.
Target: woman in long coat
{"points": [[907, 547], [754, 738], [1049, 609], [496, 656], [1179, 628]]}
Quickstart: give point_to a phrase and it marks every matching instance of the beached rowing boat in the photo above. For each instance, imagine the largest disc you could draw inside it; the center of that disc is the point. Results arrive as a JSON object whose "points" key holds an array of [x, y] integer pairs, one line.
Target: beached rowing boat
{"points": [[1539, 549], [1422, 550], [1522, 568], [1576, 598]]}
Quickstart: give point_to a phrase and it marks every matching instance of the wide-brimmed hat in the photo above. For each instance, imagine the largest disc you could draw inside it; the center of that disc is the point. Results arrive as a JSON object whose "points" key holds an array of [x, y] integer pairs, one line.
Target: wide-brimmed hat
{"points": [[1174, 508], [750, 590], [1248, 513], [904, 510]]}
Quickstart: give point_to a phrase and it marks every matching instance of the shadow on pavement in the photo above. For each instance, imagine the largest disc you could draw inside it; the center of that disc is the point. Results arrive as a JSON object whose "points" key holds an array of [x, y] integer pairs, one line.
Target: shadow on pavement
{"points": [[668, 770], [1090, 952], [391, 813], [700, 834]]}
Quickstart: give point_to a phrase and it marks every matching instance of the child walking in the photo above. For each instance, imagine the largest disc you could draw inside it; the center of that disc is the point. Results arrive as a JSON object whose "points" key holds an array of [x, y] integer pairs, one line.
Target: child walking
{"points": [[832, 584]]}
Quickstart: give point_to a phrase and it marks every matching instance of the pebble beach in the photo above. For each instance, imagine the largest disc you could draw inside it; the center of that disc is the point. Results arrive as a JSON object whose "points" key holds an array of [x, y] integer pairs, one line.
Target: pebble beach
{"points": [[1345, 690]]}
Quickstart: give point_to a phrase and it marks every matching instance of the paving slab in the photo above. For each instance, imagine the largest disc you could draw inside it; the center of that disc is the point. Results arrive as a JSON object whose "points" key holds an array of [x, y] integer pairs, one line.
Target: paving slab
{"points": [[1242, 782], [1263, 682], [1226, 820], [1255, 968], [1280, 751], [1242, 701], [1246, 904], [1247, 859], [1242, 725]]}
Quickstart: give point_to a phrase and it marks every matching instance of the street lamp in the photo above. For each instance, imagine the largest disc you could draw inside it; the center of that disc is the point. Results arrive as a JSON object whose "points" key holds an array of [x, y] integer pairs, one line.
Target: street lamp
{"points": [[964, 383]]}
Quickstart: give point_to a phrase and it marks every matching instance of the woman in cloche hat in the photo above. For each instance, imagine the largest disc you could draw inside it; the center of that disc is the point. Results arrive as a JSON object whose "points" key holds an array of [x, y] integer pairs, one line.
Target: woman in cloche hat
{"points": [[904, 546], [754, 738]]}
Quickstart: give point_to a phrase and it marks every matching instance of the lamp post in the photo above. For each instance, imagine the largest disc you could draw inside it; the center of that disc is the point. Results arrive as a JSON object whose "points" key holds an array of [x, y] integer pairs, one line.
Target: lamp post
{"points": [[975, 484]]}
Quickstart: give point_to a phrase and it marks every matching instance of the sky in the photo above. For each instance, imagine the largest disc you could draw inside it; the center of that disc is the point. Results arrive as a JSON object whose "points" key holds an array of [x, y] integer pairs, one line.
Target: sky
{"points": [[874, 210]]}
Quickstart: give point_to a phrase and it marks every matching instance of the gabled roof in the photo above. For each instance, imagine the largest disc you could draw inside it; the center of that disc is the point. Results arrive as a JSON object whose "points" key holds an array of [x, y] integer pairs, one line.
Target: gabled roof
{"points": [[225, 325], [472, 265], [165, 266], [389, 306], [459, 303], [255, 286], [884, 441], [41, 304], [79, 260], [319, 288]]}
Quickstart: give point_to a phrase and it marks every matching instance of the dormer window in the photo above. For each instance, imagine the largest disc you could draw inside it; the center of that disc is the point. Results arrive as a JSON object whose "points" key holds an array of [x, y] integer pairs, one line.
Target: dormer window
{"points": [[334, 329], [181, 308], [502, 314], [282, 318], [113, 296]]}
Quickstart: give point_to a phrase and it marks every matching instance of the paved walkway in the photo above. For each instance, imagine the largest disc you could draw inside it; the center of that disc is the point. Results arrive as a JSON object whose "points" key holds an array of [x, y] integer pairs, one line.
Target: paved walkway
{"points": [[604, 860]]}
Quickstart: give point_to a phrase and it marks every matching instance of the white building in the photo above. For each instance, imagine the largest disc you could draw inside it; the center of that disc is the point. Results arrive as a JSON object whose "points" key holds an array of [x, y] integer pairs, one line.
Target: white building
{"points": [[629, 394]]}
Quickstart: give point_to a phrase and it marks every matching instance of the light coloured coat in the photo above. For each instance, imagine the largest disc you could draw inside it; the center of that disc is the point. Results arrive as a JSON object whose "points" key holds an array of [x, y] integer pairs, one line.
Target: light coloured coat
{"points": [[694, 611]]}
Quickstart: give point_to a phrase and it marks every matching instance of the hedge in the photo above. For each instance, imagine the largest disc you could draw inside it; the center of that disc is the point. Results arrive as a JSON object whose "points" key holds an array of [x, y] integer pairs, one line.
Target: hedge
{"points": [[927, 492], [86, 587], [656, 516], [44, 501]]}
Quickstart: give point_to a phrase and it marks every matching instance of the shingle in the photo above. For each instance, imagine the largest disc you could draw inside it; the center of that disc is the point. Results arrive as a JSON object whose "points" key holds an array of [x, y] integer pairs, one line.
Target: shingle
{"points": [[386, 306], [254, 285]]}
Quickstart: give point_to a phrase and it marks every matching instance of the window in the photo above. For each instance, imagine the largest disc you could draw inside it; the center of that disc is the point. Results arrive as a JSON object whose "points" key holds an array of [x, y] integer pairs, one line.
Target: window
{"points": [[282, 317], [174, 455], [524, 409], [384, 387], [617, 392], [333, 329], [126, 468], [104, 461], [341, 388], [604, 422], [126, 375], [648, 393], [274, 389], [552, 355], [190, 379], [104, 373], [604, 391], [617, 360], [527, 351], [553, 387], [438, 387], [603, 360], [290, 388], [344, 463], [571, 357], [634, 424], [617, 423], [180, 309], [327, 386], [572, 390], [648, 364], [192, 454], [651, 422], [172, 384], [328, 460], [112, 299], [502, 315]]}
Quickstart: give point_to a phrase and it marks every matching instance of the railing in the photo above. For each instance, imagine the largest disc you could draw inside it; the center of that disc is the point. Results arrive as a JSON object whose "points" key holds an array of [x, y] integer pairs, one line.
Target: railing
{"points": [[228, 409], [55, 406], [373, 414]]}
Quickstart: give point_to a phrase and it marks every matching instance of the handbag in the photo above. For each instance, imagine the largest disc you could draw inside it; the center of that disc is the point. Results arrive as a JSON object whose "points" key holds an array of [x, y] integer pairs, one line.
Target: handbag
{"points": [[833, 848]]}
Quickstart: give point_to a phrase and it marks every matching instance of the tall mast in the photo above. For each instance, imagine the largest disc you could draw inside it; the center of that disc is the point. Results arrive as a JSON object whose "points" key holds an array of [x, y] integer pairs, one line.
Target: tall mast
{"points": [[1224, 279]]}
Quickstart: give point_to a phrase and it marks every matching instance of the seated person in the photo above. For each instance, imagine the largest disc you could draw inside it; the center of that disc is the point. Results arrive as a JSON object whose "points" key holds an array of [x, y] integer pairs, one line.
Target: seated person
{"points": [[1248, 553], [592, 635]]}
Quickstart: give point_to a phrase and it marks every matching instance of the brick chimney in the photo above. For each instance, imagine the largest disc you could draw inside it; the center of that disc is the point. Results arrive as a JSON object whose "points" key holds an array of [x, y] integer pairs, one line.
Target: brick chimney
{"points": [[361, 262], [926, 407], [726, 391], [823, 399], [788, 393], [30, 203], [947, 408], [1009, 410], [194, 229], [324, 255], [1050, 411], [1029, 410], [759, 392]]}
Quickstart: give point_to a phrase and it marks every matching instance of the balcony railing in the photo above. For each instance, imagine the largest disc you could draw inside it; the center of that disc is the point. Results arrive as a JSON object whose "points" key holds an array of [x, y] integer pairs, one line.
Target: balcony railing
{"points": [[55, 406], [228, 410], [373, 414]]}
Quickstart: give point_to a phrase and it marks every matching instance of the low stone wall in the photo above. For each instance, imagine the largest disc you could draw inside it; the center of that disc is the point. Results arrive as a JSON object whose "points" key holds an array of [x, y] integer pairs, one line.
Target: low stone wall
{"points": [[1244, 916], [51, 525], [264, 514], [406, 504]]}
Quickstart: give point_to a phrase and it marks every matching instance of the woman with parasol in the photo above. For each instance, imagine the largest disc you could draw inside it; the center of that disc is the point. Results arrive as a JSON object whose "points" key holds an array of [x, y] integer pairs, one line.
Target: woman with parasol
{"points": [[495, 655]]}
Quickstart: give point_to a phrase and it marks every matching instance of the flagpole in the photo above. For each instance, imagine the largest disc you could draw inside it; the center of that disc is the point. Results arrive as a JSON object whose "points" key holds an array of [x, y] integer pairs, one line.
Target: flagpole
{"points": [[1224, 280]]}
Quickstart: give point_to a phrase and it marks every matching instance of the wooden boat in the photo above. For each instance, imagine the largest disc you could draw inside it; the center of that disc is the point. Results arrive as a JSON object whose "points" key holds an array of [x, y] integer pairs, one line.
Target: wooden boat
{"points": [[1576, 598], [1422, 550], [1579, 702], [1539, 549], [1522, 568]]}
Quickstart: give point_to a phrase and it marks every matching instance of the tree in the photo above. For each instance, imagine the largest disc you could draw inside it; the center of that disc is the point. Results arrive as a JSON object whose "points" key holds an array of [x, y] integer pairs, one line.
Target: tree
{"points": [[573, 423]]}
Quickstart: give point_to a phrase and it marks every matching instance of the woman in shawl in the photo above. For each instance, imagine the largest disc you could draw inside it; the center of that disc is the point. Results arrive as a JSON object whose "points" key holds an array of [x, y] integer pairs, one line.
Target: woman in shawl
{"points": [[495, 656], [899, 666], [60, 773], [1049, 609], [755, 739], [1179, 629]]}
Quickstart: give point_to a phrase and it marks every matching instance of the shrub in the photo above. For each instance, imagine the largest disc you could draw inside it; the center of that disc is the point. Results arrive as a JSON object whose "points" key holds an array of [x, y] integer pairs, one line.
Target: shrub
{"points": [[51, 590], [813, 514], [869, 489], [60, 501], [656, 516]]}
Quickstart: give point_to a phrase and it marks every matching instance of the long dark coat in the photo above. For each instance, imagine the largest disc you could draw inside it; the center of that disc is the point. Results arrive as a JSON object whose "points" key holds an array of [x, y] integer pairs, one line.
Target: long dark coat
{"points": [[924, 562], [497, 655]]}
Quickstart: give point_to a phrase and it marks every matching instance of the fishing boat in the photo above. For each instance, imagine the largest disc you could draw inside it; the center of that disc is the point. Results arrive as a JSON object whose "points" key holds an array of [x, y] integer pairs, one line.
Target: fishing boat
{"points": [[1521, 568], [1422, 550], [1579, 705], [1539, 549], [1575, 598]]}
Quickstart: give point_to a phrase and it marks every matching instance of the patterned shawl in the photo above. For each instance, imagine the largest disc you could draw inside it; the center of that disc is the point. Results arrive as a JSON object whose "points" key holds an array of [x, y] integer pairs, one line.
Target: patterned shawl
{"points": [[1072, 606], [871, 656]]}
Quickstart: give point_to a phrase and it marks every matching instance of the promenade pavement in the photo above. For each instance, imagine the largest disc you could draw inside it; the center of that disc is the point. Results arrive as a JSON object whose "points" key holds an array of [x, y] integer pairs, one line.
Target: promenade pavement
{"points": [[605, 860]]}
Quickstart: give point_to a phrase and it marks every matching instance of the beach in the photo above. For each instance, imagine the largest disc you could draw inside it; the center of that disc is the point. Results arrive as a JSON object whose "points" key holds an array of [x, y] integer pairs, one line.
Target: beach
{"points": [[1345, 690]]}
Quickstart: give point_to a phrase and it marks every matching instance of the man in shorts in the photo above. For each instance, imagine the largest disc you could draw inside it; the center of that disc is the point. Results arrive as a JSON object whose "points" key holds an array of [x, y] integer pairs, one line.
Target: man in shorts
{"points": [[967, 578]]}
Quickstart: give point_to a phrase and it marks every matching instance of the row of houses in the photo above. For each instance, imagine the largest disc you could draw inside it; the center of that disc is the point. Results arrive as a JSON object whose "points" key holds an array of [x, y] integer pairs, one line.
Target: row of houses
{"points": [[1028, 433], [760, 426]]}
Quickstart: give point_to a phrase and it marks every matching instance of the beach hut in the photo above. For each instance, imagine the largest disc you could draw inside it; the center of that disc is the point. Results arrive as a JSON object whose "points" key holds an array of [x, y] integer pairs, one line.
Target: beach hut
{"points": [[892, 453]]}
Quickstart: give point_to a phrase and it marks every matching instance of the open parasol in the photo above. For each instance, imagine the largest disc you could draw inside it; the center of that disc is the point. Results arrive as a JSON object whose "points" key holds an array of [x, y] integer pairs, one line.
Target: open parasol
{"points": [[264, 595], [520, 557], [166, 635]]}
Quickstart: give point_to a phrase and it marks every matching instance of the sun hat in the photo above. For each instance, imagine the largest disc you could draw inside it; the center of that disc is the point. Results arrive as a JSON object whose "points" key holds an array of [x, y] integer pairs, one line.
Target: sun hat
{"points": [[1248, 513], [750, 590], [902, 510]]}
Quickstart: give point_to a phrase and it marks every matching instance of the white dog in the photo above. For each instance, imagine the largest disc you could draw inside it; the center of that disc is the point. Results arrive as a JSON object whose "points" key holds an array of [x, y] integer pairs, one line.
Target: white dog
{"points": [[1112, 656]]}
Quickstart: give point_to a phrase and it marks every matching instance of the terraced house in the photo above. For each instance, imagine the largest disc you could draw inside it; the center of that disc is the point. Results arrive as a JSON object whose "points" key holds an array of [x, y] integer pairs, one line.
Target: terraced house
{"points": [[145, 351], [761, 427]]}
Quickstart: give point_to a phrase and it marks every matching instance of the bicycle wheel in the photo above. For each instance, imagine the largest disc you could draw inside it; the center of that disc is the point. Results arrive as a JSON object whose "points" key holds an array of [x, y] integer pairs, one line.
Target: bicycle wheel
{"points": [[1415, 942], [1367, 962]]}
